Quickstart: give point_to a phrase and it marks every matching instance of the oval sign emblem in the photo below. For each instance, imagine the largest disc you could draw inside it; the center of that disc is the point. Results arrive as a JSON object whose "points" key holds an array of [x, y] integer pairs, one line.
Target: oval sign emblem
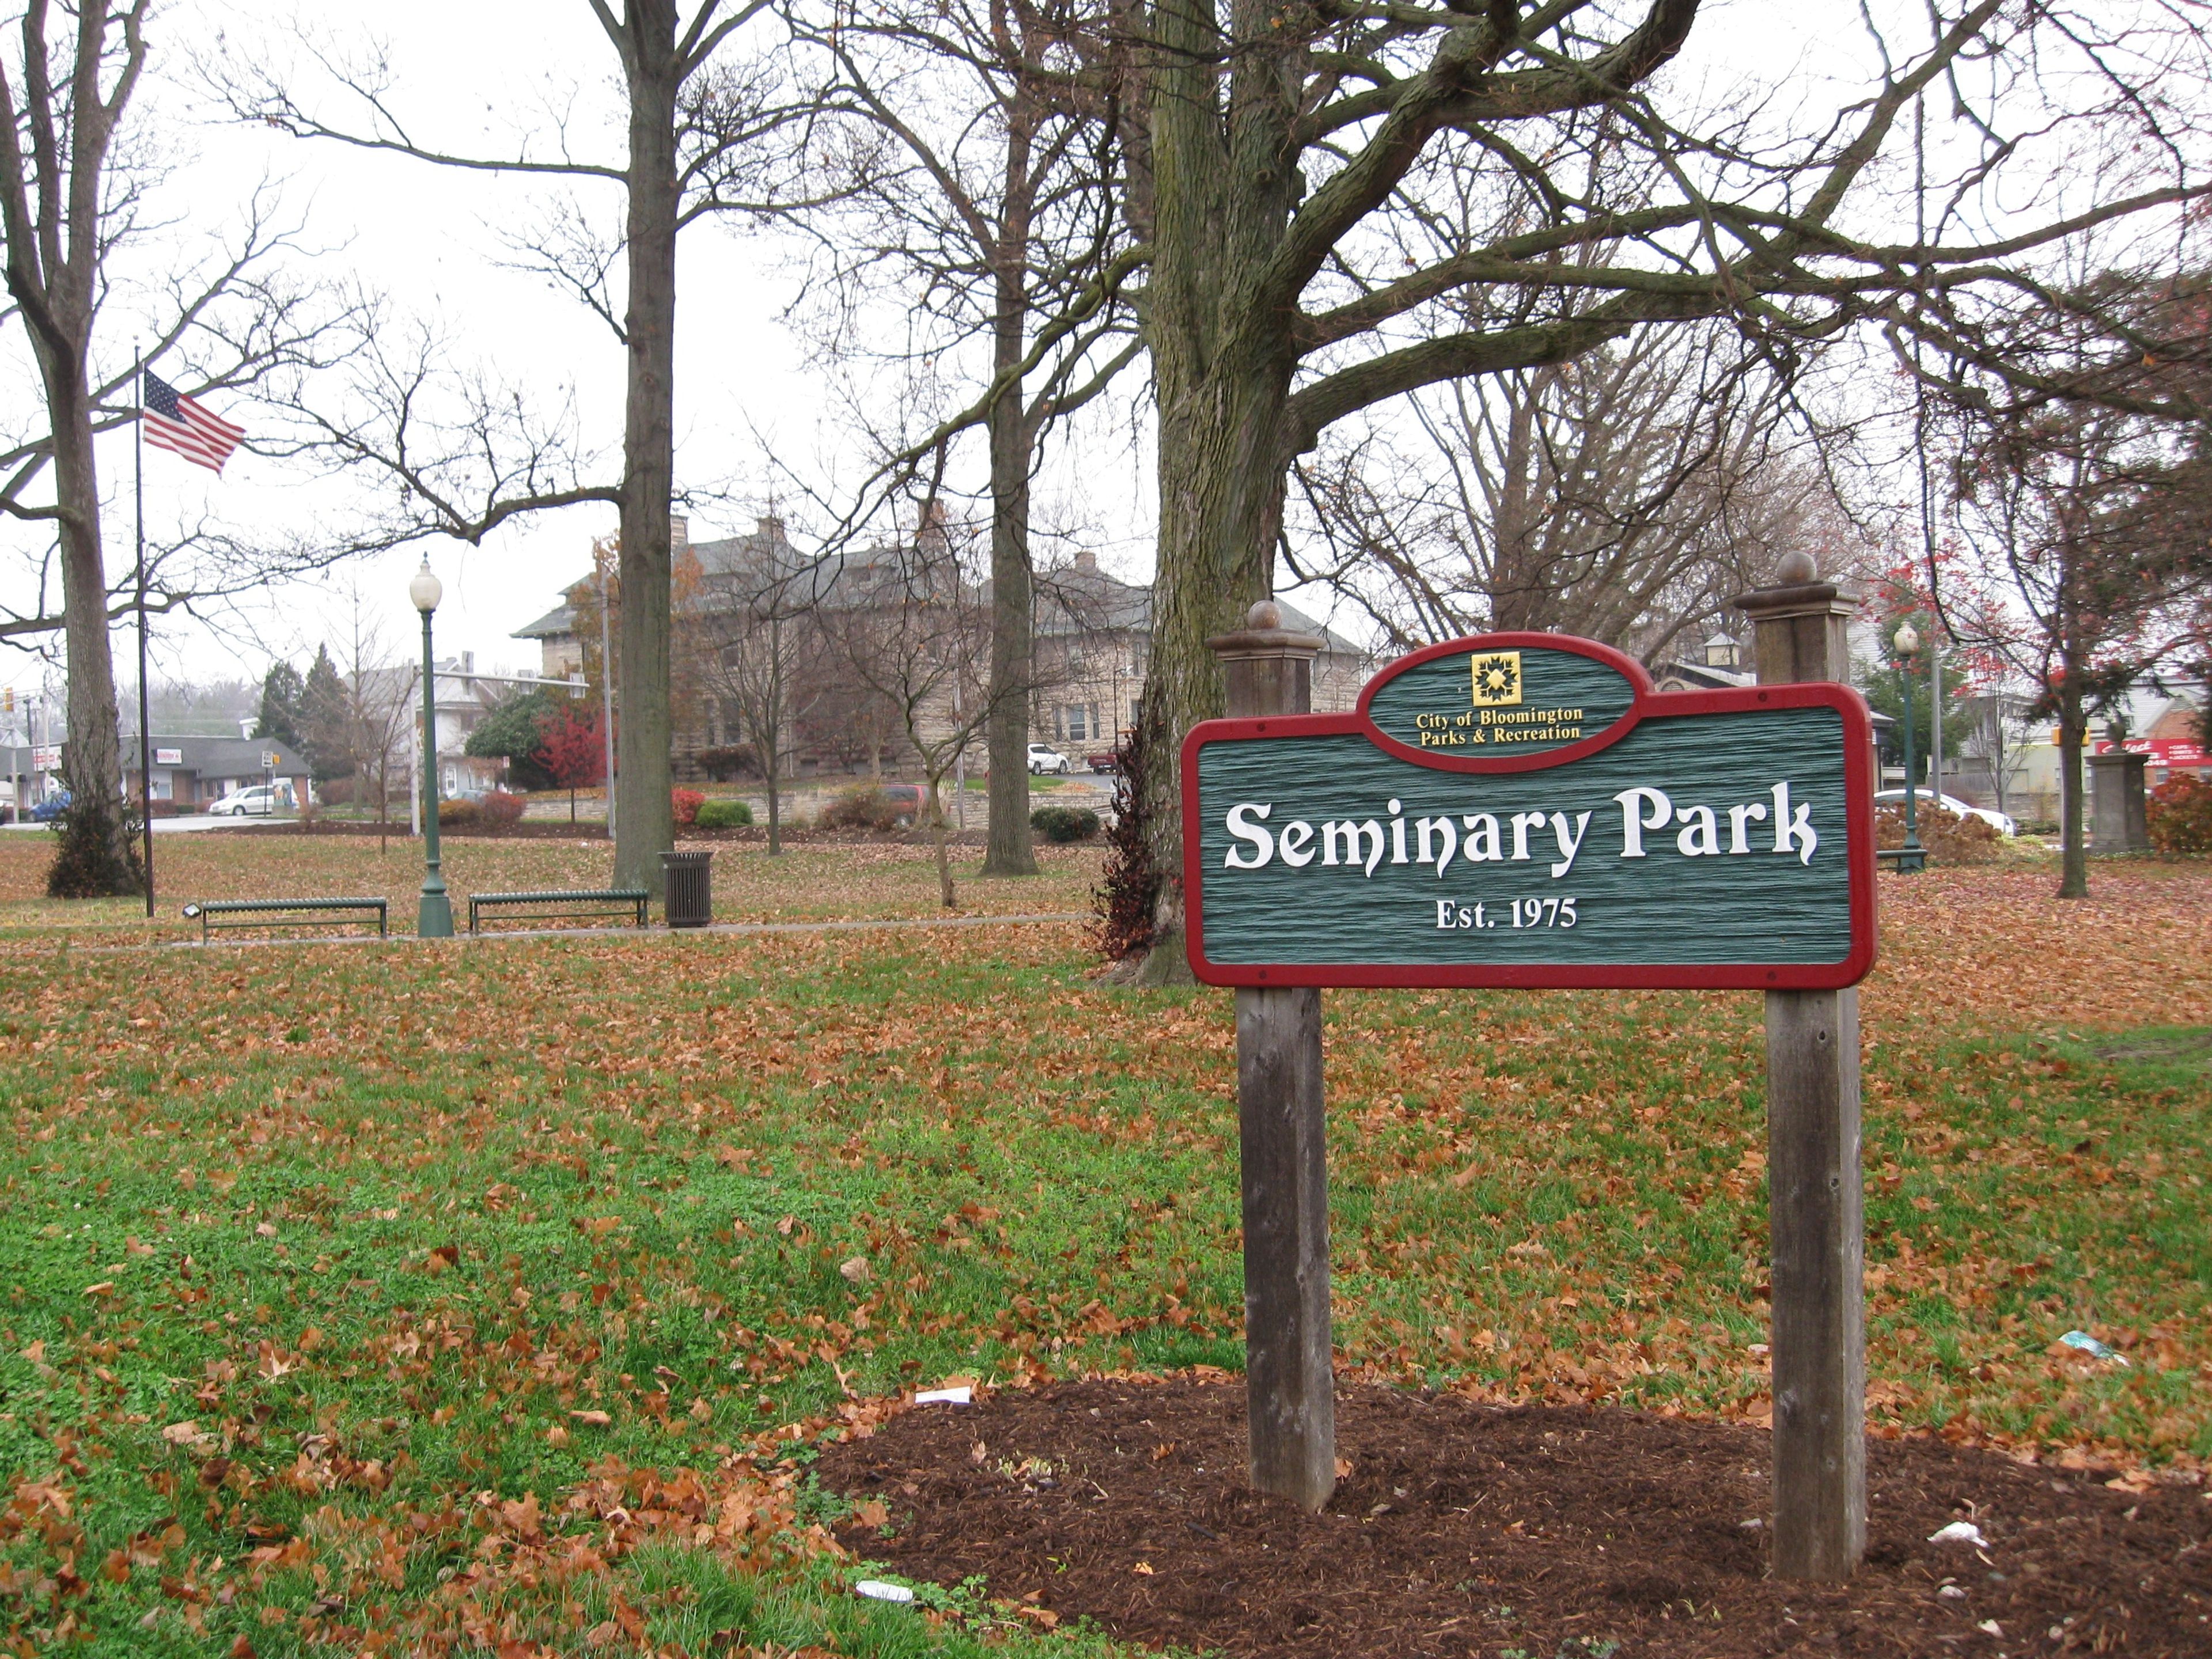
{"points": [[1504, 702]]}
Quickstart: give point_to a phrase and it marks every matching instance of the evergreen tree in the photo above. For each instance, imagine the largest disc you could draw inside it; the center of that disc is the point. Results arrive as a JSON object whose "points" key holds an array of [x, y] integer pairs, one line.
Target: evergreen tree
{"points": [[321, 722], [512, 732], [282, 691]]}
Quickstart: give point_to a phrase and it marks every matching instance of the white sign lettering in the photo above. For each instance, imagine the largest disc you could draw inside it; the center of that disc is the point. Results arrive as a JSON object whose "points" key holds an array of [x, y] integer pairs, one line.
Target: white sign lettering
{"points": [[1701, 831]]}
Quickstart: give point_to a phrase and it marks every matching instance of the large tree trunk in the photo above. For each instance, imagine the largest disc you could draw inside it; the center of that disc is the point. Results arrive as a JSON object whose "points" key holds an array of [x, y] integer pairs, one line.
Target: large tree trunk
{"points": [[2073, 849], [1222, 455], [95, 857], [644, 819], [1223, 189], [1009, 849]]}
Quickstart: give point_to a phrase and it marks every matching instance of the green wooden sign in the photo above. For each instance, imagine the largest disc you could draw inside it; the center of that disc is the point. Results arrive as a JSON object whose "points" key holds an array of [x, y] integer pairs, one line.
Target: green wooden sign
{"points": [[1523, 809]]}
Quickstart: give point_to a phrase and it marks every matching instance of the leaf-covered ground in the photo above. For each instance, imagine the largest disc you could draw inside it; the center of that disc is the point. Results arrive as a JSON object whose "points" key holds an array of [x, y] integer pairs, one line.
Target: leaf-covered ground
{"points": [[806, 882], [449, 1299]]}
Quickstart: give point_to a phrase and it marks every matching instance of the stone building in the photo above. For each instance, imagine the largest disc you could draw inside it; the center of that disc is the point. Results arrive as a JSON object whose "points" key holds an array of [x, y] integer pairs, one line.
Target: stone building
{"points": [[1093, 640]]}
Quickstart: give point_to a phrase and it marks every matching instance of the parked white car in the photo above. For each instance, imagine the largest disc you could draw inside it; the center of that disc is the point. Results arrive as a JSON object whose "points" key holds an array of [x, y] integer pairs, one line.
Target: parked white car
{"points": [[1043, 757], [257, 800], [1996, 821]]}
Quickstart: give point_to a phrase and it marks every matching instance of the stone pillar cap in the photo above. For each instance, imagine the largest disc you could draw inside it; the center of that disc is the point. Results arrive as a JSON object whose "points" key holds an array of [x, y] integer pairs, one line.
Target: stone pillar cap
{"points": [[1264, 635], [1807, 596]]}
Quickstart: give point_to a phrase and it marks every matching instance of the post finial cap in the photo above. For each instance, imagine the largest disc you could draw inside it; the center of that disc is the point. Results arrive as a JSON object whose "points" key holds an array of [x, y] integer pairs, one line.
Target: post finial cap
{"points": [[1797, 566], [1265, 614]]}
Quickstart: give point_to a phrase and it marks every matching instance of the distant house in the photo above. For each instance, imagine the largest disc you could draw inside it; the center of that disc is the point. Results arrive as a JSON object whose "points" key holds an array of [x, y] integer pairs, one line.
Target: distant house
{"points": [[1093, 638], [1713, 666], [192, 770]]}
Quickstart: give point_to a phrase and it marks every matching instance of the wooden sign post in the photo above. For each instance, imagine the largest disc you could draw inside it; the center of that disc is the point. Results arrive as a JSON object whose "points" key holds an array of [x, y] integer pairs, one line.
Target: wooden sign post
{"points": [[1816, 1214], [1524, 809], [1283, 1142]]}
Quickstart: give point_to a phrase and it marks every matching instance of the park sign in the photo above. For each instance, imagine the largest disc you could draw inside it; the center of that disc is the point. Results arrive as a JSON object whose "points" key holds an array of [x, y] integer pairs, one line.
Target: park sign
{"points": [[1525, 809]]}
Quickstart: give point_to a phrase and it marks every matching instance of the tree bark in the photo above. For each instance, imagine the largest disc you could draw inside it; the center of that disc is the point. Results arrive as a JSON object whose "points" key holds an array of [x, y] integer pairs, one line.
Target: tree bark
{"points": [[645, 818], [1222, 193], [944, 892], [1010, 850], [2073, 852], [52, 202], [96, 856]]}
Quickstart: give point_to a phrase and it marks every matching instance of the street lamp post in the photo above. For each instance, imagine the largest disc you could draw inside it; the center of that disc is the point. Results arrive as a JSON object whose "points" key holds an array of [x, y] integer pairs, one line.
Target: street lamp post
{"points": [[434, 918], [1912, 855]]}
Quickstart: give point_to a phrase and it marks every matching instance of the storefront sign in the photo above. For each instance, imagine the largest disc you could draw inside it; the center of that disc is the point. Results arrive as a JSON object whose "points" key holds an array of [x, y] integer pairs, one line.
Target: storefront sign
{"points": [[2163, 751], [1524, 809]]}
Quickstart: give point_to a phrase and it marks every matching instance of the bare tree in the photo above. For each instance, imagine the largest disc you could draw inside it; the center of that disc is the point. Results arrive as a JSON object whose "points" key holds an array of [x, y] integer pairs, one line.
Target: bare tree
{"points": [[72, 193], [1279, 139], [378, 706], [1623, 495], [697, 126], [911, 622], [442, 446], [761, 634], [2092, 526], [984, 196]]}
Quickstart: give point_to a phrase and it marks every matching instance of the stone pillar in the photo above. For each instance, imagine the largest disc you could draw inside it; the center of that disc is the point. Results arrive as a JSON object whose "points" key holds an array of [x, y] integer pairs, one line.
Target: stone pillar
{"points": [[1815, 1198], [2117, 823], [1290, 1410]]}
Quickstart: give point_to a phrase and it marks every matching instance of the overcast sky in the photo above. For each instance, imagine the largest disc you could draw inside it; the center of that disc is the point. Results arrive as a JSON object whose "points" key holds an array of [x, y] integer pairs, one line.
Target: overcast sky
{"points": [[431, 240]]}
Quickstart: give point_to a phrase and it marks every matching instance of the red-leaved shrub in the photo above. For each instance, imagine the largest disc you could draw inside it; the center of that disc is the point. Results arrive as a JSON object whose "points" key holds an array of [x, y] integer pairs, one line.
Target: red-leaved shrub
{"points": [[2179, 814], [686, 804], [1950, 837], [503, 809]]}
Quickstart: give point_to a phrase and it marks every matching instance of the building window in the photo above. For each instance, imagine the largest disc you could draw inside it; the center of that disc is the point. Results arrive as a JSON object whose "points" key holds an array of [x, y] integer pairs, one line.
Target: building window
{"points": [[1073, 722], [1136, 708]]}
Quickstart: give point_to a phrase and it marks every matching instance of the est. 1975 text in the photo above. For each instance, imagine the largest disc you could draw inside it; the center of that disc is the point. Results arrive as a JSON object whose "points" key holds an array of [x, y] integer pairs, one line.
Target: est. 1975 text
{"points": [[1518, 913]]}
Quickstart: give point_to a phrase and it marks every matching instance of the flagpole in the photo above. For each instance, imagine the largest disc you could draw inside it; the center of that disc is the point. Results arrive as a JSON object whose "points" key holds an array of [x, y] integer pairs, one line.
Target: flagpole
{"points": [[145, 731]]}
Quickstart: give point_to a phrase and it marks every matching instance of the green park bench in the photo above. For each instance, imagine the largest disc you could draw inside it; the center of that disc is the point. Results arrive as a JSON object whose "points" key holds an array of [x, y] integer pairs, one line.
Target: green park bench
{"points": [[212, 914], [629, 902]]}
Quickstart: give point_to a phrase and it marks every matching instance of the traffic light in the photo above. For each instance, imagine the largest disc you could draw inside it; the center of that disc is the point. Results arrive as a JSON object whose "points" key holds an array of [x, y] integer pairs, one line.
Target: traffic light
{"points": [[7, 701]]}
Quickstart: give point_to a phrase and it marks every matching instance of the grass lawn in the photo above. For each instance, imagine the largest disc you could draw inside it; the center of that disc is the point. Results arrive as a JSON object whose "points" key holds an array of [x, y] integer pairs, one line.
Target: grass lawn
{"points": [[805, 883], [449, 1299]]}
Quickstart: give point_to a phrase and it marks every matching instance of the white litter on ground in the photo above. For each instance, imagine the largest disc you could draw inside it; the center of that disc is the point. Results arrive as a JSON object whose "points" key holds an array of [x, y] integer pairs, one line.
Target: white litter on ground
{"points": [[875, 1590], [2089, 1345], [1959, 1532], [963, 1395]]}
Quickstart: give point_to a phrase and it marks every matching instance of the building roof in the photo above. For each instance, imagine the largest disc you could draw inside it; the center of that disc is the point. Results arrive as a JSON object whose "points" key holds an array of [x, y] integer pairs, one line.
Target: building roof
{"points": [[1072, 599], [559, 621], [221, 757]]}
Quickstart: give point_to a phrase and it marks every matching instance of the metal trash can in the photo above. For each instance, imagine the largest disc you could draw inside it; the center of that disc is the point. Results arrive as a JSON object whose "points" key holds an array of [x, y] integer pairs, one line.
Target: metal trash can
{"points": [[687, 881]]}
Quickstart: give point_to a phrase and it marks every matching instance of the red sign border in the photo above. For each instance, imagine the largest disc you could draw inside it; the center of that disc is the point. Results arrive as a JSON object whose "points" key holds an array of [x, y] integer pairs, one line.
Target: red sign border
{"points": [[1859, 815], [1639, 685]]}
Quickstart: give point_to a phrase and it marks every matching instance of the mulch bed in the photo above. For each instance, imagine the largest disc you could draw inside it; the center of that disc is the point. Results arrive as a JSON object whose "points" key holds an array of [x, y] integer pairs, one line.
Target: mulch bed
{"points": [[1467, 1529]]}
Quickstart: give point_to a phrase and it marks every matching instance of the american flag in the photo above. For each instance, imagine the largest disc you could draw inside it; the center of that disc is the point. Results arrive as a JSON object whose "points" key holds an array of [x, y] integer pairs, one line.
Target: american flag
{"points": [[175, 422]]}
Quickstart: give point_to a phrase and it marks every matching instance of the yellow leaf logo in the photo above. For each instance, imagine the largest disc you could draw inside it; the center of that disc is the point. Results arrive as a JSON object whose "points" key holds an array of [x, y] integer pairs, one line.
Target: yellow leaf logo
{"points": [[1497, 678]]}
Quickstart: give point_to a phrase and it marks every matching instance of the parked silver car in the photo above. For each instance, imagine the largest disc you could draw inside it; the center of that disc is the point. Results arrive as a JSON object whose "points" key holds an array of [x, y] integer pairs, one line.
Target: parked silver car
{"points": [[258, 800]]}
